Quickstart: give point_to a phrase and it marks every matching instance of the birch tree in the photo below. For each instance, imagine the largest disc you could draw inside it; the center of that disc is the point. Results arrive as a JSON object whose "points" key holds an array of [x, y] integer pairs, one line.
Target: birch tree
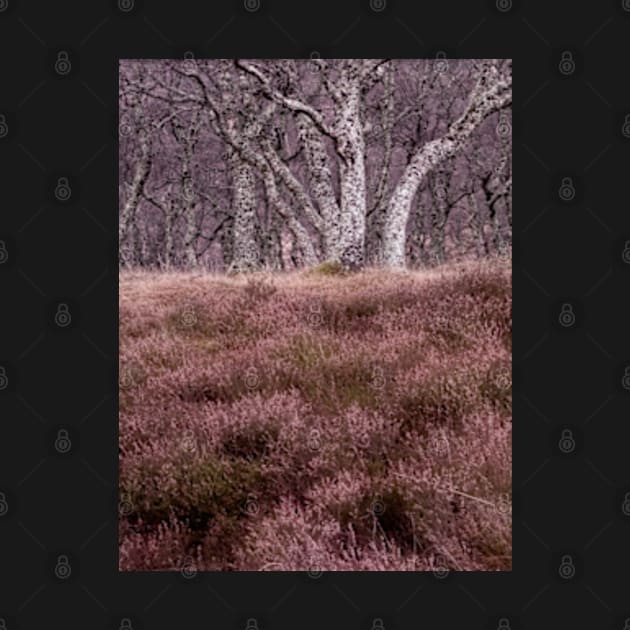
{"points": [[346, 232], [127, 218], [245, 164], [492, 91]]}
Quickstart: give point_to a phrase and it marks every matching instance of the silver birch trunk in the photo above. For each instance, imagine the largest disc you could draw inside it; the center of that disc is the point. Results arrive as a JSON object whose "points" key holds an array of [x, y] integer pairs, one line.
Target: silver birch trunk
{"points": [[347, 133], [352, 172], [245, 248], [188, 196], [170, 253], [126, 240], [490, 93], [301, 237], [321, 184]]}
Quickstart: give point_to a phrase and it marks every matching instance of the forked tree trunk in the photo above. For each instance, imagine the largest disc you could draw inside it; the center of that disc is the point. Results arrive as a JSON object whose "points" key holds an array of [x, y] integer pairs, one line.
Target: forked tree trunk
{"points": [[347, 133]]}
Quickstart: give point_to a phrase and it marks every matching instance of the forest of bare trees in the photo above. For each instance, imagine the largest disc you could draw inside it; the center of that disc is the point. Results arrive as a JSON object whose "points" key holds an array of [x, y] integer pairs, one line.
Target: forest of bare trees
{"points": [[238, 165]]}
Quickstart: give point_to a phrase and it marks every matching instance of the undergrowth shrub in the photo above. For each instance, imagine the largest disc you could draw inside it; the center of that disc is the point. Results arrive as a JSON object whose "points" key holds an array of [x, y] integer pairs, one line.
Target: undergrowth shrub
{"points": [[317, 421], [327, 268]]}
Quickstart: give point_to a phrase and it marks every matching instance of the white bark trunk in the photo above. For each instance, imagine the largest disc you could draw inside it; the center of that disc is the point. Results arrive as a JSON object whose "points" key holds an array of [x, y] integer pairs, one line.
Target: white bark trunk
{"points": [[347, 133], [490, 93], [320, 182], [188, 194], [126, 247], [299, 233], [351, 248], [376, 214], [170, 216], [245, 249]]}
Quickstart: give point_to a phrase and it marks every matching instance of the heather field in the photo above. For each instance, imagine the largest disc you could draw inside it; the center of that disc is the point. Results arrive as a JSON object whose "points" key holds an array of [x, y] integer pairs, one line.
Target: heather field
{"points": [[315, 421]]}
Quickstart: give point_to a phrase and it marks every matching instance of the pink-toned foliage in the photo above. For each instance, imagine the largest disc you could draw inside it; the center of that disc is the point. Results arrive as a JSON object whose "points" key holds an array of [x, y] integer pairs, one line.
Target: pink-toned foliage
{"points": [[308, 421]]}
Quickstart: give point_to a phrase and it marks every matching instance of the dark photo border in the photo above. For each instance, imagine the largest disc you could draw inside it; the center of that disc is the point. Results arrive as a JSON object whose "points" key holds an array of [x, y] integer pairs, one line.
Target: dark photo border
{"points": [[59, 320]]}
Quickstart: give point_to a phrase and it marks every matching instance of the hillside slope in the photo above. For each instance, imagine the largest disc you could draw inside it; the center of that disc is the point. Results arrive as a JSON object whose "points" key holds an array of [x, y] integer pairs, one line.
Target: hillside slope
{"points": [[313, 422]]}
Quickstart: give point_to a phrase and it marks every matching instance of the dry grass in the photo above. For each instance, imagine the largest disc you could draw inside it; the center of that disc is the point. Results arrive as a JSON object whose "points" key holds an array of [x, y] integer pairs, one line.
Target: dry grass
{"points": [[316, 421]]}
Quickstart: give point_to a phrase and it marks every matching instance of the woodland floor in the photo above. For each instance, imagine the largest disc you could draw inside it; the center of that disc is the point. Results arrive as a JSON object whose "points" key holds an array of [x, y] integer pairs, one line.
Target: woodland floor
{"points": [[312, 421]]}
